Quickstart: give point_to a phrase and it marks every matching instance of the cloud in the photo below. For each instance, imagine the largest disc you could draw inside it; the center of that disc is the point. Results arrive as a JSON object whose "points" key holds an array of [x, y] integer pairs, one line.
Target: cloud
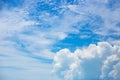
{"points": [[102, 20], [28, 34], [24, 50], [108, 67], [92, 62], [67, 65]]}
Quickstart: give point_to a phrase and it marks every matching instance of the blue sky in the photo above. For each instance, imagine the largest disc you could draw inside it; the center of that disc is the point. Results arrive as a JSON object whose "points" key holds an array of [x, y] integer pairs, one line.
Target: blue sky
{"points": [[59, 39]]}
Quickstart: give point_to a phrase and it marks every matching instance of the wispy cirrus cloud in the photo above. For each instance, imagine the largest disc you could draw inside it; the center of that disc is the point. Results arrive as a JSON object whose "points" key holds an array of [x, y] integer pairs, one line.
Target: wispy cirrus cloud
{"points": [[22, 47]]}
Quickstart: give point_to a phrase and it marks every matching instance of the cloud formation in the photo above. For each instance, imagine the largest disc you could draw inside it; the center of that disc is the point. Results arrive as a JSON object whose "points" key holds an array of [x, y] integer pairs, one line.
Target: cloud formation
{"points": [[67, 65], [99, 61], [28, 35]]}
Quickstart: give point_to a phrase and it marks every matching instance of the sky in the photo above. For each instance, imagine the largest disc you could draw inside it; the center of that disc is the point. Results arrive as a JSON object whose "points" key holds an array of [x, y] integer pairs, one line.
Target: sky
{"points": [[59, 39]]}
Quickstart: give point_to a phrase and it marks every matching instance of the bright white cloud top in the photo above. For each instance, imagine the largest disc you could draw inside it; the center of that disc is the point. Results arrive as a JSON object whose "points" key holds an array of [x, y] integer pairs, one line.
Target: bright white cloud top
{"points": [[86, 63], [59, 39]]}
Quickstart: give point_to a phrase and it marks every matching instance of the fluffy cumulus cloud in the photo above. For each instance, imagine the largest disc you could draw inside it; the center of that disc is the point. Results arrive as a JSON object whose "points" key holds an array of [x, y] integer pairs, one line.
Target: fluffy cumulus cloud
{"points": [[108, 71], [67, 65], [97, 61]]}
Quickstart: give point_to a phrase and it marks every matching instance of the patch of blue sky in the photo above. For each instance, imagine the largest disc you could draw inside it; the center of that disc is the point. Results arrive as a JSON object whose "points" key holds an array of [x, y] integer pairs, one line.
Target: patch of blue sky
{"points": [[74, 41], [91, 23], [54, 8], [8, 4], [43, 7], [85, 36], [113, 4], [115, 37]]}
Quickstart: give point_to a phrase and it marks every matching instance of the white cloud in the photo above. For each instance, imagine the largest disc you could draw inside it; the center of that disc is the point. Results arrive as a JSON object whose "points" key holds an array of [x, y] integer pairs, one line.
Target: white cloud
{"points": [[18, 51], [20, 39], [81, 62], [115, 72], [67, 65], [20, 65], [108, 65], [97, 8], [12, 21]]}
